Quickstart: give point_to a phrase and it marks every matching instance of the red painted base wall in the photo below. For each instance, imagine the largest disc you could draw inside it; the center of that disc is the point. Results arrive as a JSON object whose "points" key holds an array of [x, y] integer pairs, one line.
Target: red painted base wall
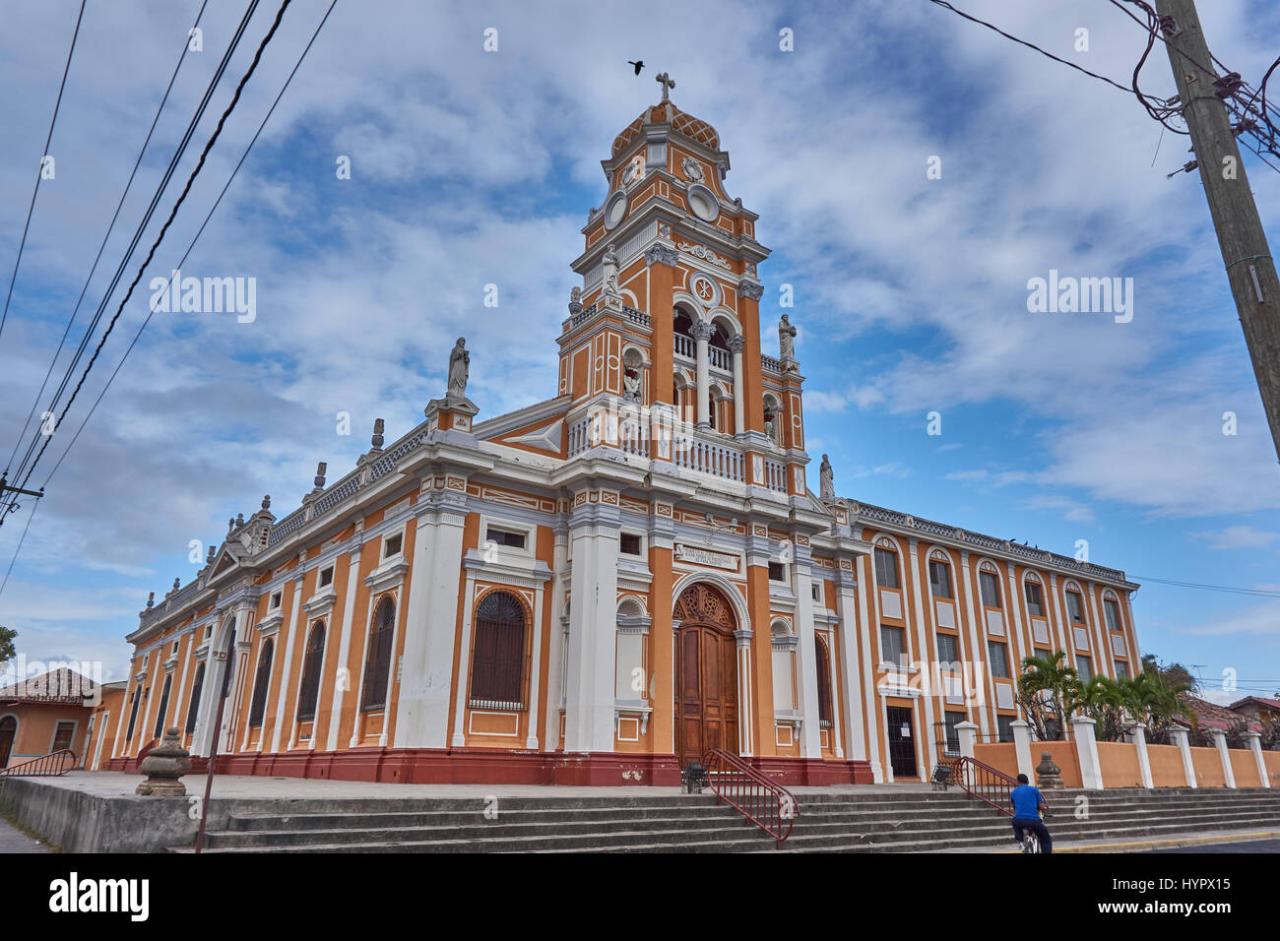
{"points": [[450, 766]]}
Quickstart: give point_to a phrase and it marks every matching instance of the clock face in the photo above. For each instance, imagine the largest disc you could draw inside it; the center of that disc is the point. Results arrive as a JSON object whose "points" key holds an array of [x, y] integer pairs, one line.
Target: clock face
{"points": [[703, 203]]}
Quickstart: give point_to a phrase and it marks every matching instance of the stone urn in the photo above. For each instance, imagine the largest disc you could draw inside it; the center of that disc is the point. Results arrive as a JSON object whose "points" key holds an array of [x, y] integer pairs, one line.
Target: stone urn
{"points": [[1048, 774], [163, 766]]}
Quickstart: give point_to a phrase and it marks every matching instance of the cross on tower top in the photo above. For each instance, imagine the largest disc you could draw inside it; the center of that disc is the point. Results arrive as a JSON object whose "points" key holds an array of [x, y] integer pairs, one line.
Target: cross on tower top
{"points": [[667, 83]]}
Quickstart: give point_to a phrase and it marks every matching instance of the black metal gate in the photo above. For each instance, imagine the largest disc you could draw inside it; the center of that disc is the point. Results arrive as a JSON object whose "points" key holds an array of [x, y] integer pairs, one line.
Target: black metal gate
{"points": [[902, 743]]}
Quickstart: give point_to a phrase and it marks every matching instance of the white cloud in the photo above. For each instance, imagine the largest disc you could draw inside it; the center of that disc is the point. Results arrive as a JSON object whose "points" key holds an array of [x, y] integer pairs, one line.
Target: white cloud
{"points": [[1239, 537]]}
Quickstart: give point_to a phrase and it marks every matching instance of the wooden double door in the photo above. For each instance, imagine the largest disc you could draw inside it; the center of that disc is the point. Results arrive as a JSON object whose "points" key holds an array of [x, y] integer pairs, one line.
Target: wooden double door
{"points": [[706, 675]]}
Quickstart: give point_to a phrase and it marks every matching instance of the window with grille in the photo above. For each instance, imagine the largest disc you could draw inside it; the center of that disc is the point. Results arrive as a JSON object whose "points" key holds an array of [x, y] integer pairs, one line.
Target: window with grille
{"points": [[777, 572], [990, 586], [133, 714], [948, 649], [193, 710], [506, 537], [261, 680], [1035, 598], [326, 577], [1113, 614], [886, 568], [377, 667], [824, 684], [629, 544], [951, 720], [497, 659], [62, 735], [313, 659], [164, 707], [1075, 608], [392, 546], [998, 654], [940, 578], [893, 649]]}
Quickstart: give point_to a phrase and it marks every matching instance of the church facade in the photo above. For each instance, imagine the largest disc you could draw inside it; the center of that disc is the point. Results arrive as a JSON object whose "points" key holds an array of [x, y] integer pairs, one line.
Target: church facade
{"points": [[601, 587]]}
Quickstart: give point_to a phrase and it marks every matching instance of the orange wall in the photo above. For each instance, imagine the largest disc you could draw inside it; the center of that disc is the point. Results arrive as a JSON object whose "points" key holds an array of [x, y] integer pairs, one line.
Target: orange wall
{"points": [[1120, 766], [1002, 756], [1244, 768], [1208, 767], [37, 725], [1166, 766]]}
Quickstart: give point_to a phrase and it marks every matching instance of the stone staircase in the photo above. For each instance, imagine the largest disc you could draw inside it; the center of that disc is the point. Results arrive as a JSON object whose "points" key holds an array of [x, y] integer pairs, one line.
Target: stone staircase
{"points": [[886, 820]]}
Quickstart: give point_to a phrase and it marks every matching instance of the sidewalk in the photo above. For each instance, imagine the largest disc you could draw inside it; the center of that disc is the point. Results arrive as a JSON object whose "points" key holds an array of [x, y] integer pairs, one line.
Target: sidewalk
{"points": [[1209, 837]]}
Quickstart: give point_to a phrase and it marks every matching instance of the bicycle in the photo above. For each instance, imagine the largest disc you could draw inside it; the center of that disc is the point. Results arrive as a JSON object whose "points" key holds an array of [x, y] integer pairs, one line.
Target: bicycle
{"points": [[1030, 842]]}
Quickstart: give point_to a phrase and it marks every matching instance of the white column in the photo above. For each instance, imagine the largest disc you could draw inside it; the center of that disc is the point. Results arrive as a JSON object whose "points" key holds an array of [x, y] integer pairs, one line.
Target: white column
{"points": [[1255, 746], [287, 666], [1019, 629], [968, 735], [1182, 739], [1022, 747], [746, 710], [535, 670], [837, 699], [1100, 634], [977, 647], [1087, 753], [344, 645], [590, 701], [870, 618], [737, 344], [810, 740], [1224, 755], [1138, 736], [180, 716], [555, 660], [702, 334], [459, 737], [925, 768]]}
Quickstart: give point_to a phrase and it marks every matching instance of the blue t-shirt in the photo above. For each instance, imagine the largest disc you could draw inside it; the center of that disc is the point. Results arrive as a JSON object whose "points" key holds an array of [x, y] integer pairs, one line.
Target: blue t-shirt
{"points": [[1026, 801]]}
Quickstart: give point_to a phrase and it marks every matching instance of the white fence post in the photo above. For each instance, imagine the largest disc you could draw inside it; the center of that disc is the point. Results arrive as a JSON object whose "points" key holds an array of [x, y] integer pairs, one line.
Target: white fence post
{"points": [[1087, 753], [1220, 740], [1022, 745], [1255, 746], [1138, 736], [1182, 738]]}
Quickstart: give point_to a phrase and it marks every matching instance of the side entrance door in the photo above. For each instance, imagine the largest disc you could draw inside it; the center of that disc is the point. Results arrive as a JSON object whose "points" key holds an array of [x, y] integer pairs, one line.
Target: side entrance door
{"points": [[902, 743]]}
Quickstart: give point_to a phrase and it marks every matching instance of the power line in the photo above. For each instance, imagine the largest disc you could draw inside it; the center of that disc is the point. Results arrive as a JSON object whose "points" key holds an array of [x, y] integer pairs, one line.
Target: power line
{"points": [[192, 245], [110, 228], [1256, 592], [134, 242], [1030, 45], [57, 106]]}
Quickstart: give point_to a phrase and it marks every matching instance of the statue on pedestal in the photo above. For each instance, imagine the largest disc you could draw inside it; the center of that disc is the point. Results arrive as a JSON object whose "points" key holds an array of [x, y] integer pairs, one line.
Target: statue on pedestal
{"points": [[786, 340], [459, 370], [609, 264], [827, 480]]}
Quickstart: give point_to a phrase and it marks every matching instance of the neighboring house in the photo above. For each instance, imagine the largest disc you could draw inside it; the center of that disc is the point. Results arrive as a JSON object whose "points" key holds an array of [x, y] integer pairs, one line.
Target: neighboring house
{"points": [[1257, 708], [45, 714], [1208, 716], [101, 737]]}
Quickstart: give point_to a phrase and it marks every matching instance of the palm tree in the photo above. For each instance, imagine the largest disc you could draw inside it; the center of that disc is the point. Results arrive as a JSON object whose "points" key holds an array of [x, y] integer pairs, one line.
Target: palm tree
{"points": [[1048, 692]]}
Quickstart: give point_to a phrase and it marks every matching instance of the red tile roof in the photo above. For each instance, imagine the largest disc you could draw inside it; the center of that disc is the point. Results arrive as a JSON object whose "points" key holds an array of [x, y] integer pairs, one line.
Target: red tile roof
{"points": [[1209, 716], [62, 685]]}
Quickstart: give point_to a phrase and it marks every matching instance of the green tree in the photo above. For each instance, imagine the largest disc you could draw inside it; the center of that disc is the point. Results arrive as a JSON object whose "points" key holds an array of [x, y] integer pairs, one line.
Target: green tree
{"points": [[7, 651], [1049, 693]]}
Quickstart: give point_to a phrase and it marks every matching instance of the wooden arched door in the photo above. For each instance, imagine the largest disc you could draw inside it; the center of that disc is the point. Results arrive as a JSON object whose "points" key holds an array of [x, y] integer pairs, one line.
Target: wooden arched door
{"points": [[706, 674], [8, 730]]}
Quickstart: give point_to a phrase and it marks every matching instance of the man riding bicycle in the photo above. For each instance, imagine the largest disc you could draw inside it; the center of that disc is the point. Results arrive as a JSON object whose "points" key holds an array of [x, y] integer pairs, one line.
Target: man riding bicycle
{"points": [[1027, 803]]}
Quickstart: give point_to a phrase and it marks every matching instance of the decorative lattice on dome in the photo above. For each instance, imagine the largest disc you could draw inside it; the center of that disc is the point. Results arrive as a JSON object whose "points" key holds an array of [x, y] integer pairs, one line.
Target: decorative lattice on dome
{"points": [[693, 128]]}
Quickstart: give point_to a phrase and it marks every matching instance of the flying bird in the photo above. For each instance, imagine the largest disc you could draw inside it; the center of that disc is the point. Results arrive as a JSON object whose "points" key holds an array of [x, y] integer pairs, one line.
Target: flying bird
{"points": [[639, 65]]}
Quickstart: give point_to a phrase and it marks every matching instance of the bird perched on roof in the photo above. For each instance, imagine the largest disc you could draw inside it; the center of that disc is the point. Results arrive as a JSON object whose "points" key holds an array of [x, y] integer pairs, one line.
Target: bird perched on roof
{"points": [[638, 65]]}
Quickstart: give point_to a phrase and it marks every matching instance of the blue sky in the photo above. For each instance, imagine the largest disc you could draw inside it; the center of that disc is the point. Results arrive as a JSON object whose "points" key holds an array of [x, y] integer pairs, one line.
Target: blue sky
{"points": [[472, 168]]}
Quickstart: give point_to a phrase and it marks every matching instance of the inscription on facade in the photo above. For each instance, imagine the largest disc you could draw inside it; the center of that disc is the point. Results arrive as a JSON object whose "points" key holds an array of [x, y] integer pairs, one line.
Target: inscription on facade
{"points": [[699, 556]]}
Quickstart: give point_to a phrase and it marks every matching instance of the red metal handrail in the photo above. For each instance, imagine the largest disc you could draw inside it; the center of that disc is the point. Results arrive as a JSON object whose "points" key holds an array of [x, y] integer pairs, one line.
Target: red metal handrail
{"points": [[53, 765], [983, 782], [767, 804]]}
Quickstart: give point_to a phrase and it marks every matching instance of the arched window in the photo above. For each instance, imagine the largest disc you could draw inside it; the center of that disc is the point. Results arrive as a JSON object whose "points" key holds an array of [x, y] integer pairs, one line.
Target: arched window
{"points": [[164, 706], [312, 660], [193, 710], [940, 577], [824, 684], [1075, 606], [886, 566], [497, 660], [133, 713], [682, 329], [377, 667], [989, 585], [261, 681]]}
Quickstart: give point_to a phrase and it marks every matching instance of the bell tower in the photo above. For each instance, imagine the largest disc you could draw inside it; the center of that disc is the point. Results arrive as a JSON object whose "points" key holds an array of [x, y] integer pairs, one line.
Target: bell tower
{"points": [[666, 323]]}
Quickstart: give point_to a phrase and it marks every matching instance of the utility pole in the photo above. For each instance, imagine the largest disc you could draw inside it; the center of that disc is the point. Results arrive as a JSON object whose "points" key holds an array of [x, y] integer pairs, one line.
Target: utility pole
{"points": [[1250, 268], [17, 491]]}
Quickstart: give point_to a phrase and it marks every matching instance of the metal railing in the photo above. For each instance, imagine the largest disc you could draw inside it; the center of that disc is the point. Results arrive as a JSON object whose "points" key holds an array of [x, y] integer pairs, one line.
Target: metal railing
{"points": [[982, 782], [767, 804], [53, 765]]}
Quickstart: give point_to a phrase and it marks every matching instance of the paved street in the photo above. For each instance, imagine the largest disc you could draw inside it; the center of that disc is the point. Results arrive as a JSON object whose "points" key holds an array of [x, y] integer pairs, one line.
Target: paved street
{"points": [[1252, 846], [13, 840]]}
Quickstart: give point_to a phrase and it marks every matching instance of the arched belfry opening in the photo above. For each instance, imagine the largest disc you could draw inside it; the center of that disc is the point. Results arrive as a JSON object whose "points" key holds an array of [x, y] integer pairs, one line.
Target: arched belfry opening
{"points": [[706, 673]]}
